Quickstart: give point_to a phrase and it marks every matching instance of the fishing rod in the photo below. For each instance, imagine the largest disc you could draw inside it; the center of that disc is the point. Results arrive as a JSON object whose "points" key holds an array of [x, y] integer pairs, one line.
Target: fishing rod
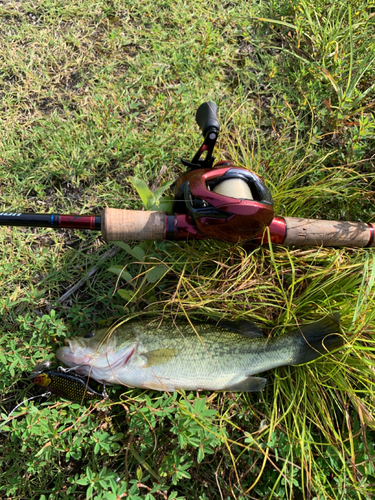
{"points": [[219, 201]]}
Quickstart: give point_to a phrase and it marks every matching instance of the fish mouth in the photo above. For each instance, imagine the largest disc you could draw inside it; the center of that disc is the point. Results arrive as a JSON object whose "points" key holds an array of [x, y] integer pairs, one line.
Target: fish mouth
{"points": [[73, 354], [102, 365]]}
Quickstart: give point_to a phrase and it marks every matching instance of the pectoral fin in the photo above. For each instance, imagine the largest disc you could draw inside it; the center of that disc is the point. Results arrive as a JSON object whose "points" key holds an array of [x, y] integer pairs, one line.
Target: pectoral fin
{"points": [[249, 384], [158, 356]]}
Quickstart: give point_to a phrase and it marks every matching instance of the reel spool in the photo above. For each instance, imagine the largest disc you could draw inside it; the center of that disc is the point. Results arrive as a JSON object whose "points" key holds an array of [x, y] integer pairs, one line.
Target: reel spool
{"points": [[234, 188]]}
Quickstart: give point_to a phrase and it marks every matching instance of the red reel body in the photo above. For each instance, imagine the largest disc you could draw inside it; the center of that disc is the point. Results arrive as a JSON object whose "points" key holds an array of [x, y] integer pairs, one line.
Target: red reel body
{"points": [[221, 216]]}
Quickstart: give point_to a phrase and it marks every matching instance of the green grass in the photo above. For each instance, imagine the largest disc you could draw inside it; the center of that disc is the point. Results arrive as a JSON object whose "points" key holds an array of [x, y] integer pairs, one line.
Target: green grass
{"points": [[93, 93]]}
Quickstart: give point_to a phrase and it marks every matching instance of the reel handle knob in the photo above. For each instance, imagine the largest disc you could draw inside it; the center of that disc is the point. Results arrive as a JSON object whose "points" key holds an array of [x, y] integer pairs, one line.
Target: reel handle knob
{"points": [[206, 117]]}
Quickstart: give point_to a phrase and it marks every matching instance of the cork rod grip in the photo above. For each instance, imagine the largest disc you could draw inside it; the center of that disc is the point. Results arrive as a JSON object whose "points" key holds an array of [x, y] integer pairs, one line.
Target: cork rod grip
{"points": [[314, 232], [130, 225]]}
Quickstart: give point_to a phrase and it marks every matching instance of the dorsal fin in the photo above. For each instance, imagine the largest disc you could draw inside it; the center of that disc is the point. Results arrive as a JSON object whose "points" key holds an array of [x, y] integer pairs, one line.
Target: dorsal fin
{"points": [[242, 327]]}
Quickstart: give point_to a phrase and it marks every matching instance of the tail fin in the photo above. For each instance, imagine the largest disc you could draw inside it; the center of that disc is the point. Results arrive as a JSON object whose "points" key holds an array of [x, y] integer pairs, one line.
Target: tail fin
{"points": [[318, 338]]}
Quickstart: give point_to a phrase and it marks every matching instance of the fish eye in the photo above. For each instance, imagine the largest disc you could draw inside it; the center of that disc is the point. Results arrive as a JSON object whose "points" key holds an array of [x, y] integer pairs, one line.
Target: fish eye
{"points": [[89, 335]]}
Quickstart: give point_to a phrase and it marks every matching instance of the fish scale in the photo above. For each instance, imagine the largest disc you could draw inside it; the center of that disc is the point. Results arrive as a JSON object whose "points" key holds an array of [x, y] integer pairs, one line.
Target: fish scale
{"points": [[174, 355], [222, 358]]}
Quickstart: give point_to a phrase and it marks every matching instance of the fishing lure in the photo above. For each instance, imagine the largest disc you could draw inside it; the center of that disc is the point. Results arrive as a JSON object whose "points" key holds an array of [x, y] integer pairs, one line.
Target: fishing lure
{"points": [[68, 385]]}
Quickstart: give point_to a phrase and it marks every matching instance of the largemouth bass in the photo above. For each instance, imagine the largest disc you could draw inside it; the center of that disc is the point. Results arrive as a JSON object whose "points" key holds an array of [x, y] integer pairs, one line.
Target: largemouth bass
{"points": [[170, 355]]}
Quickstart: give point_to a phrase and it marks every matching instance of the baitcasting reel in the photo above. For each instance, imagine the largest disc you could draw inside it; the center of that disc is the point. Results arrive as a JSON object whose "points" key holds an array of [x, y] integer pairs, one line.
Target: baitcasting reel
{"points": [[219, 201]]}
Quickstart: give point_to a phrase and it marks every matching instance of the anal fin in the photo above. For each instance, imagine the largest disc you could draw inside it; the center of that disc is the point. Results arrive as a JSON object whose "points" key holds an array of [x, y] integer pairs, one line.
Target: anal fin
{"points": [[249, 384]]}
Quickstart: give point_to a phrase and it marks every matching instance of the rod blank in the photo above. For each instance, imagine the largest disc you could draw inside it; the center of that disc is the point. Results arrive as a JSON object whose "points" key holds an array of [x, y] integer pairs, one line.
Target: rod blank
{"points": [[51, 220]]}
